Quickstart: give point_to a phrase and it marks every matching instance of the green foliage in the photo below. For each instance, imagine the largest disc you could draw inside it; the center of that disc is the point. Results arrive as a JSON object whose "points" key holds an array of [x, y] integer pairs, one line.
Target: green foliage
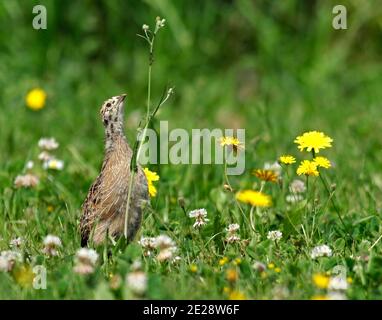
{"points": [[275, 68]]}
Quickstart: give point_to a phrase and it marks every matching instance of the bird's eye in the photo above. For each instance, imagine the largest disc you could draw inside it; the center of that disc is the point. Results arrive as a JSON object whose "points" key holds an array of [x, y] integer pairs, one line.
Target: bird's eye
{"points": [[108, 104]]}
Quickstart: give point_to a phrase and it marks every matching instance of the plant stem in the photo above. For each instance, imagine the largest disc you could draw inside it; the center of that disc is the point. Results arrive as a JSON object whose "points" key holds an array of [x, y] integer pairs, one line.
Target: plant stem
{"points": [[135, 155], [334, 204]]}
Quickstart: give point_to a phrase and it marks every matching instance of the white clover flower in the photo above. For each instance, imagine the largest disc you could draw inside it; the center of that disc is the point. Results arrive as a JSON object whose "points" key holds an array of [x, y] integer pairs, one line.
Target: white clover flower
{"points": [[233, 238], [293, 198], [198, 213], [137, 265], [137, 282], [338, 283], [321, 251], [147, 242], [4, 264], [176, 259], [8, 260], [259, 266], [280, 292], [26, 181], [16, 243], [297, 186], [29, 165], [275, 166], [166, 247], [164, 242], [54, 164], [200, 217], [85, 261], [51, 245], [274, 235], [335, 295], [166, 254], [45, 156], [87, 256], [48, 143], [233, 227], [83, 269]]}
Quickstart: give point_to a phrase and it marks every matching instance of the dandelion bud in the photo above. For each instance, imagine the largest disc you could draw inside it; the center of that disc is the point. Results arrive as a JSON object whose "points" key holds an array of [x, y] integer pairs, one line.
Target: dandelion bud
{"points": [[181, 202], [245, 242], [227, 187]]}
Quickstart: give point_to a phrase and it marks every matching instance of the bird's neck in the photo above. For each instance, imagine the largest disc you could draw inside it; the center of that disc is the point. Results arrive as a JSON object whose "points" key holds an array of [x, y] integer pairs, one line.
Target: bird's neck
{"points": [[113, 132]]}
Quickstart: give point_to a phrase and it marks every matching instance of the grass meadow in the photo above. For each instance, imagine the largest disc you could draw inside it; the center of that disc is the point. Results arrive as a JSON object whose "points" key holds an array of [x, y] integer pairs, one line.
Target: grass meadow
{"points": [[274, 68]]}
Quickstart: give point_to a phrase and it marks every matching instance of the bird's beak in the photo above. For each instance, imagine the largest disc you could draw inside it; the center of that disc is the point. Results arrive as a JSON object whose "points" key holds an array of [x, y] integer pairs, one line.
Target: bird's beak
{"points": [[122, 97]]}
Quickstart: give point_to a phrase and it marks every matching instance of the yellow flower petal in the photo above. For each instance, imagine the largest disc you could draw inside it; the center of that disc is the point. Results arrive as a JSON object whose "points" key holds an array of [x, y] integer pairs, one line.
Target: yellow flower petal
{"points": [[151, 176], [35, 99], [313, 140], [287, 159], [321, 281], [308, 168], [254, 198], [322, 162]]}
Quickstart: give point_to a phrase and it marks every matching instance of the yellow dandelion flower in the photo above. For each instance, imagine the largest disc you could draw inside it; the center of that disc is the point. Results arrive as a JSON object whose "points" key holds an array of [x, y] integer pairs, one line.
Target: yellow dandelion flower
{"points": [[232, 275], [24, 276], [151, 176], [321, 281], [308, 168], [223, 261], [226, 290], [263, 275], [313, 140], [287, 159], [319, 297], [254, 198], [193, 268], [35, 99], [322, 162], [232, 142], [271, 265], [237, 295], [266, 175], [349, 280], [278, 270], [237, 261]]}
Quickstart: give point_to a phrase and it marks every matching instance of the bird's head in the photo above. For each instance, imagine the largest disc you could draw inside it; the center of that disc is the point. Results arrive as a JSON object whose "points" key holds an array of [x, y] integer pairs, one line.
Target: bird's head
{"points": [[112, 110]]}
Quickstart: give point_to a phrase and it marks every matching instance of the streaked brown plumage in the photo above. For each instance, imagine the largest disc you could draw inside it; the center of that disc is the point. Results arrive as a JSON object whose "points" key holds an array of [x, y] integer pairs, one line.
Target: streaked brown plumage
{"points": [[105, 205]]}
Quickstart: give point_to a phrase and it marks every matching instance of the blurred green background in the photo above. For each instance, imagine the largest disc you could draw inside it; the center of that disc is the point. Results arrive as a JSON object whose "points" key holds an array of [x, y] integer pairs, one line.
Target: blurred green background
{"points": [[275, 68]]}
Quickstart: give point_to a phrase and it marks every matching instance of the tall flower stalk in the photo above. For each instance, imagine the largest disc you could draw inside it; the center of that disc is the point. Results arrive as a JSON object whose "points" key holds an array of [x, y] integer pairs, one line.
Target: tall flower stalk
{"points": [[149, 36]]}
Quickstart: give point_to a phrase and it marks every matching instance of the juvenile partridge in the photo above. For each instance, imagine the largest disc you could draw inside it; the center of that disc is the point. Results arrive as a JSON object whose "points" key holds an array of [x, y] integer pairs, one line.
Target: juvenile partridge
{"points": [[104, 208]]}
